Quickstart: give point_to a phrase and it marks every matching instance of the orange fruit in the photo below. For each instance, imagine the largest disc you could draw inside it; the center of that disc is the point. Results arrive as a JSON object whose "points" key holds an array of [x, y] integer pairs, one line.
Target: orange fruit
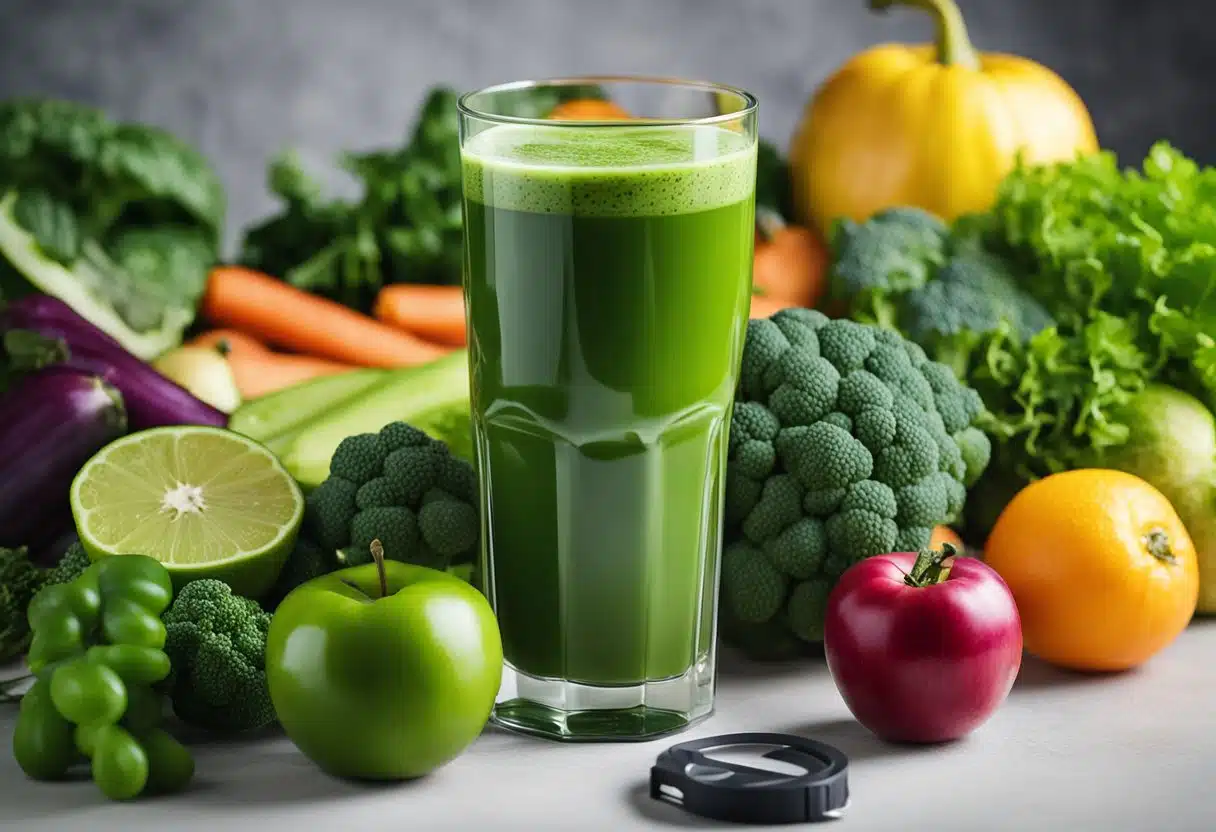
{"points": [[588, 109], [1103, 571]]}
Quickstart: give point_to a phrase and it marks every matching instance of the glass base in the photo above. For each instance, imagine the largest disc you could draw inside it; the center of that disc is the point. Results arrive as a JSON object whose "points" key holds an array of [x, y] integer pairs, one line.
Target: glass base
{"points": [[565, 711]]}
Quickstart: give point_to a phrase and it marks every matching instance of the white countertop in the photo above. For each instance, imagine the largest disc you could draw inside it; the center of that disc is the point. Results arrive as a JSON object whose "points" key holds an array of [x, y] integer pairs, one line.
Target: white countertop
{"points": [[1133, 752]]}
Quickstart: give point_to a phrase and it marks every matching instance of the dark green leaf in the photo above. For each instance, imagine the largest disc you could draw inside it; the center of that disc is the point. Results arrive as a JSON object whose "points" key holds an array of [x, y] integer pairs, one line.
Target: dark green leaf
{"points": [[289, 181], [171, 262], [405, 227], [153, 165], [44, 141], [320, 273]]}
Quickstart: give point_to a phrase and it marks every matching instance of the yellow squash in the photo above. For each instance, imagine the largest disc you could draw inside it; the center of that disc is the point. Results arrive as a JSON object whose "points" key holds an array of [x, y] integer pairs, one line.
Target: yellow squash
{"points": [[932, 126]]}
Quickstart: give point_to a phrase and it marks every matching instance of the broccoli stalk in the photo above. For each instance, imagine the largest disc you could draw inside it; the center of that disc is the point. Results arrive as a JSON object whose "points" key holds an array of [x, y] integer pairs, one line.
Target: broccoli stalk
{"points": [[845, 442]]}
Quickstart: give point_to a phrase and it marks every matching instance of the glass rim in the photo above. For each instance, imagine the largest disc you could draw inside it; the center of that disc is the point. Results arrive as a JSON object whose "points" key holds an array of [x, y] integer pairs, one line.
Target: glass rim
{"points": [[750, 102]]}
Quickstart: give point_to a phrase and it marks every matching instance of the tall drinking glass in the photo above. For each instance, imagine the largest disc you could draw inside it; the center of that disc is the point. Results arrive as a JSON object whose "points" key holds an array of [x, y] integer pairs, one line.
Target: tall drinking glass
{"points": [[608, 277]]}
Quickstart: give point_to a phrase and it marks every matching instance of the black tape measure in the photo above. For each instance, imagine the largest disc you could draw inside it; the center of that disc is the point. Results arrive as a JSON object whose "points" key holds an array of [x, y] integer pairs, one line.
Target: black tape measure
{"points": [[685, 776]]}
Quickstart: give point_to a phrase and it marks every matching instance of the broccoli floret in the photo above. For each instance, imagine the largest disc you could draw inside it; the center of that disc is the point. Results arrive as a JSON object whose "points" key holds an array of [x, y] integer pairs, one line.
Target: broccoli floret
{"points": [[877, 261], [905, 270], [846, 442], [400, 487], [20, 581], [216, 643], [974, 294], [70, 567], [753, 587]]}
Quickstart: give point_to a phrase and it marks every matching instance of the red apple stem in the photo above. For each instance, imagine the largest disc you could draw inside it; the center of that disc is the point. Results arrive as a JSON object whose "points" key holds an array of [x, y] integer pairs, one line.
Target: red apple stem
{"points": [[378, 557], [931, 567]]}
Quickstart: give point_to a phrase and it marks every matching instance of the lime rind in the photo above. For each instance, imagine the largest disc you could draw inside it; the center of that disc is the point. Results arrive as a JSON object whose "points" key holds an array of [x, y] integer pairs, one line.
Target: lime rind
{"points": [[254, 507]]}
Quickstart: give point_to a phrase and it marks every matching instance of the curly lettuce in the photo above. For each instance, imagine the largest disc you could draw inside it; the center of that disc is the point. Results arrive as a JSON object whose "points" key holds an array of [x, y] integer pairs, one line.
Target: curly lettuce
{"points": [[1123, 260], [1082, 285]]}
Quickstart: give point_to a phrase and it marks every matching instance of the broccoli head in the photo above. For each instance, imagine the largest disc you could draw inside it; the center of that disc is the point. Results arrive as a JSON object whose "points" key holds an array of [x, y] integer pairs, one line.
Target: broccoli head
{"points": [[876, 262], [845, 442], [216, 643], [20, 581], [403, 488], [974, 295], [904, 269]]}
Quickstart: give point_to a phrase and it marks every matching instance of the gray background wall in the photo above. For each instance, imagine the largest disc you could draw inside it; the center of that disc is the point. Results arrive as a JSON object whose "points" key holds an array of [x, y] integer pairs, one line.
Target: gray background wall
{"points": [[243, 78]]}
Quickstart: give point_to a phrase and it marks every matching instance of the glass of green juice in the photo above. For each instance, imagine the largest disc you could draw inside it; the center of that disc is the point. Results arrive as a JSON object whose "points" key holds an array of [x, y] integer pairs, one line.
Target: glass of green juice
{"points": [[608, 277]]}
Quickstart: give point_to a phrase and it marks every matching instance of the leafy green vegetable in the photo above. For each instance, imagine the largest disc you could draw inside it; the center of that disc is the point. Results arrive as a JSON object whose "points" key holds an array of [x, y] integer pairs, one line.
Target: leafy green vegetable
{"points": [[406, 228], [1124, 261], [1096, 282], [120, 221]]}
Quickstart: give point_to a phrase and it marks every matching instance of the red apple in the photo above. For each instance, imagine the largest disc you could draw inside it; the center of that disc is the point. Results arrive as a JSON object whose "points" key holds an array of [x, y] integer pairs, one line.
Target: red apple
{"points": [[923, 648]]}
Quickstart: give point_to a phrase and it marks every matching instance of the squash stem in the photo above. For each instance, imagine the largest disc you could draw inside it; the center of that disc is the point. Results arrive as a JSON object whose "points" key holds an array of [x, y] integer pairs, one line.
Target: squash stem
{"points": [[953, 43]]}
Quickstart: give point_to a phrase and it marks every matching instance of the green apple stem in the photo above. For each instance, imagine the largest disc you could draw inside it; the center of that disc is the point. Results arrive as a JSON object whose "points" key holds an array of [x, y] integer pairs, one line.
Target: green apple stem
{"points": [[378, 557]]}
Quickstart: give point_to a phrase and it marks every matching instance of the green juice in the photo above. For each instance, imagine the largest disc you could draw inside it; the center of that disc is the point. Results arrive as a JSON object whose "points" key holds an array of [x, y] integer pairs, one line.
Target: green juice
{"points": [[608, 279]]}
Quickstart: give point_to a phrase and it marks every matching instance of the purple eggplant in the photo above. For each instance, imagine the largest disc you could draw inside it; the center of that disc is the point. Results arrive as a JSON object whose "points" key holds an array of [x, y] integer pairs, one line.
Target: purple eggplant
{"points": [[51, 423], [151, 399], [52, 318]]}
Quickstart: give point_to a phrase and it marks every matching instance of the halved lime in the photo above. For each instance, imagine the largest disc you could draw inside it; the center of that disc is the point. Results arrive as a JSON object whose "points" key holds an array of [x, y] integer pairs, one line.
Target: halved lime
{"points": [[205, 502]]}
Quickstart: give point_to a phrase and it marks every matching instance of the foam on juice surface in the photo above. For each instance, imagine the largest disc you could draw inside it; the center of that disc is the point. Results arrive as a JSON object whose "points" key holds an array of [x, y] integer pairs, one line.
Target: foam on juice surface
{"points": [[609, 171]]}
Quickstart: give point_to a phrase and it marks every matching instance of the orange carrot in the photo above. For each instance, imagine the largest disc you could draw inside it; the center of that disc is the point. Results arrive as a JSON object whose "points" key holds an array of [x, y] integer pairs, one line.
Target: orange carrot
{"points": [[790, 263], [435, 313], [238, 343], [284, 316], [258, 370], [256, 375]]}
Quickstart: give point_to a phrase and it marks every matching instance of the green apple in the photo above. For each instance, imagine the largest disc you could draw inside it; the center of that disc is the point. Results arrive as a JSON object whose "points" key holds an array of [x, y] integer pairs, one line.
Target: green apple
{"points": [[384, 671]]}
